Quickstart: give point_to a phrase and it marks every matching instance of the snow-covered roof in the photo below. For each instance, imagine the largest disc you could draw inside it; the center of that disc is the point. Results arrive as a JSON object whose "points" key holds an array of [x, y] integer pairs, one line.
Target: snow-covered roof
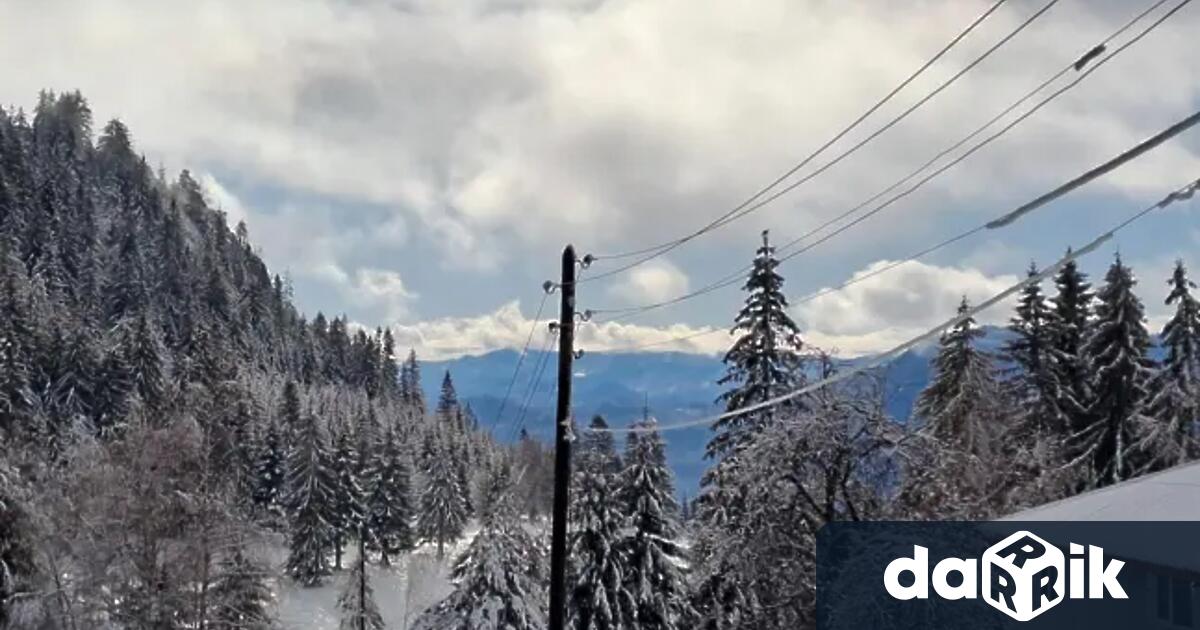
{"points": [[1168, 495]]}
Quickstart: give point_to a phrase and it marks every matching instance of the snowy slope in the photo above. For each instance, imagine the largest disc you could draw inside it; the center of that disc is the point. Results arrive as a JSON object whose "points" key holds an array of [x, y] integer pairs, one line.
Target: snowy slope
{"points": [[402, 591]]}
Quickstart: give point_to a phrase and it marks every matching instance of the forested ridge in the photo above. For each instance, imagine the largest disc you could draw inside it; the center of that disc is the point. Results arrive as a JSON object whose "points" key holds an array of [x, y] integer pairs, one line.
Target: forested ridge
{"points": [[165, 409], [163, 402]]}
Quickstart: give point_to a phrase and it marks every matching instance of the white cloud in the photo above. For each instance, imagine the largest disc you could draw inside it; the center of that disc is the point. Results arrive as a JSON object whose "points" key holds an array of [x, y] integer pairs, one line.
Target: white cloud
{"points": [[383, 288], [484, 130], [308, 243], [654, 281], [507, 327], [494, 125], [882, 311], [221, 198]]}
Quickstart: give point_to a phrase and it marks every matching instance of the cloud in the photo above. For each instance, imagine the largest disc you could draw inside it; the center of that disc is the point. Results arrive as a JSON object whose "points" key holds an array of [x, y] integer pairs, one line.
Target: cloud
{"points": [[311, 243], [455, 142], [495, 124], [383, 288], [221, 198], [508, 328], [654, 281], [885, 310]]}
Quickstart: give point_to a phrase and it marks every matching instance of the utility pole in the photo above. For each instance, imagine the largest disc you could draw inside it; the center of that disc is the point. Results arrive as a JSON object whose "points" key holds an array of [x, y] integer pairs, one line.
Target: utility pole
{"points": [[562, 442]]}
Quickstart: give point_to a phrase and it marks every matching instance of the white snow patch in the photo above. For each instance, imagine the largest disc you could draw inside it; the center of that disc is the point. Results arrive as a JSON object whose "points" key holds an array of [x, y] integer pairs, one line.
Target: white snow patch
{"points": [[400, 599]]}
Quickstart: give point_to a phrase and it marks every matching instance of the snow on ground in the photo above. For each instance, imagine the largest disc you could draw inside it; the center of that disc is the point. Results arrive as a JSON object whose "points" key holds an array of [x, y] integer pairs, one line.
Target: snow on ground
{"points": [[400, 599]]}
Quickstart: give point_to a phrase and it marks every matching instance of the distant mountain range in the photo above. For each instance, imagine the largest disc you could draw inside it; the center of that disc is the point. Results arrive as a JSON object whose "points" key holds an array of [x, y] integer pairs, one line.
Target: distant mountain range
{"points": [[675, 386]]}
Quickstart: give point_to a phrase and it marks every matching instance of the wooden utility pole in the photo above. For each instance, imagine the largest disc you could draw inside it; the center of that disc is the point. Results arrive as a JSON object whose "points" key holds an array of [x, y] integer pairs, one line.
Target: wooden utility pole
{"points": [[562, 442]]}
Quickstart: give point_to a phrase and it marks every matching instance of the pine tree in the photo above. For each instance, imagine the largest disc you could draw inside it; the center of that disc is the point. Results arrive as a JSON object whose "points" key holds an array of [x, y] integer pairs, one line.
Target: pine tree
{"points": [[410, 383], [1116, 351], [347, 510], [443, 503], [1072, 313], [958, 406], [389, 504], [143, 357], [357, 601], [110, 400], [310, 495], [447, 406], [499, 580], [289, 409], [764, 361], [654, 578], [16, 551], [241, 597], [389, 374], [126, 288], [270, 472], [450, 415], [598, 449], [1175, 401], [1032, 351], [597, 594], [16, 398]]}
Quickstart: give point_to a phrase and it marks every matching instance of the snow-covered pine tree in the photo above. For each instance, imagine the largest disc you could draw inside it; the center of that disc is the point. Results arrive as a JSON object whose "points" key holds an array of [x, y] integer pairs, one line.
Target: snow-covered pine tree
{"points": [[959, 406], [410, 382], [346, 513], [110, 397], [241, 599], [597, 597], [1072, 306], [16, 551], [389, 370], [1175, 389], [1116, 351], [270, 472], [16, 398], [500, 579], [654, 578], [453, 426], [144, 359], [447, 405], [357, 601], [443, 512], [309, 500], [598, 448], [125, 287], [389, 502], [289, 410], [1031, 351], [764, 361]]}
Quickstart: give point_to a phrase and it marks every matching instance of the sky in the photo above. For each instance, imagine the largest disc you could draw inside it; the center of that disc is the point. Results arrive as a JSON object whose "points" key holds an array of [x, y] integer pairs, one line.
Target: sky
{"points": [[420, 164]]}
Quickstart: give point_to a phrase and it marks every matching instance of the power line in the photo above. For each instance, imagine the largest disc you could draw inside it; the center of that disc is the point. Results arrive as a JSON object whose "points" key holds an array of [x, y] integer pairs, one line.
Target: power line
{"points": [[521, 359], [1012, 216], [663, 342], [534, 383], [1186, 192], [792, 171], [1078, 65], [739, 274], [994, 136], [825, 291], [743, 209]]}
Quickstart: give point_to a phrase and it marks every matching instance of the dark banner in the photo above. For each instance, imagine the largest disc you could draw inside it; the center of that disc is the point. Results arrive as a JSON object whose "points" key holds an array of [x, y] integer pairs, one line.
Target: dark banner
{"points": [[1042, 575]]}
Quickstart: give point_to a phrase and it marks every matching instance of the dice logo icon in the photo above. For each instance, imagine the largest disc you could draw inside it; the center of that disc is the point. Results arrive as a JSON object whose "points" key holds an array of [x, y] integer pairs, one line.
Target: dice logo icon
{"points": [[1023, 576]]}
